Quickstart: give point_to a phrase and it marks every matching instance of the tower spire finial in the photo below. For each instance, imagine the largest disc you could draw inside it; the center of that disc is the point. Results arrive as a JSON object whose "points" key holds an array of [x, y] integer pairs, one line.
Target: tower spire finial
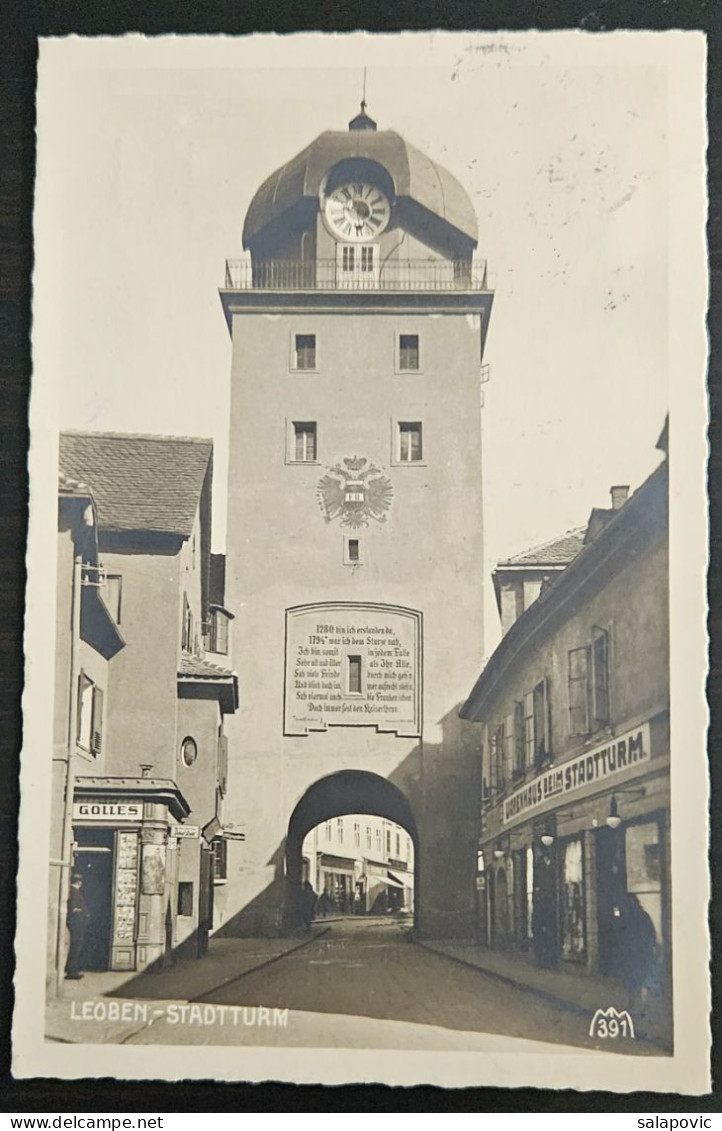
{"points": [[362, 120]]}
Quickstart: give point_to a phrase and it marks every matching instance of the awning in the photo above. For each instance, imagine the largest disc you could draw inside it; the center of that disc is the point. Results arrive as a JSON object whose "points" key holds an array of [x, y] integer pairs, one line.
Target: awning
{"points": [[393, 881], [337, 863]]}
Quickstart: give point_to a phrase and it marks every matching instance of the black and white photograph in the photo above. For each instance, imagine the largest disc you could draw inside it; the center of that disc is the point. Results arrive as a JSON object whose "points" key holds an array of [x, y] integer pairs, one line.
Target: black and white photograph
{"points": [[365, 729]]}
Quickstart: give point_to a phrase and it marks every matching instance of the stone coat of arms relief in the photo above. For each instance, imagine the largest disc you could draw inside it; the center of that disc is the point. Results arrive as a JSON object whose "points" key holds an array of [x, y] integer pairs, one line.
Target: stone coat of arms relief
{"points": [[355, 493]]}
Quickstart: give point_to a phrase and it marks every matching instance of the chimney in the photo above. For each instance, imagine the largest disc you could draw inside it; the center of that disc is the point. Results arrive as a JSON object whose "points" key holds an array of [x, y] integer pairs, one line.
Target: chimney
{"points": [[619, 496]]}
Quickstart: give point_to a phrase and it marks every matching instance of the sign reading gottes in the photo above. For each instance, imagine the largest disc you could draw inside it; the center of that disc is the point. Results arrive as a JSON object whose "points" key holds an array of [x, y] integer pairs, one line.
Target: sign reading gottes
{"points": [[353, 665], [107, 811], [595, 766]]}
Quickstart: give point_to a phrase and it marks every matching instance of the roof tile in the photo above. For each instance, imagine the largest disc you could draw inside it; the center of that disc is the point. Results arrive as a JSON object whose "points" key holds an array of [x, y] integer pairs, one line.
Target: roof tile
{"points": [[197, 667], [139, 482], [560, 551]]}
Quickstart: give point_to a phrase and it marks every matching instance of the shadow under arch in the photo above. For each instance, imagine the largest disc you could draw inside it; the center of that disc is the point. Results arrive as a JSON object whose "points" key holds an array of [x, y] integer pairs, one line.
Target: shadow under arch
{"points": [[341, 793]]}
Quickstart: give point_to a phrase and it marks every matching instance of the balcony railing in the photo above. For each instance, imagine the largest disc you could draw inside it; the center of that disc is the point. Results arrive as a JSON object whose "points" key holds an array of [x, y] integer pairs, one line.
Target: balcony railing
{"points": [[330, 275]]}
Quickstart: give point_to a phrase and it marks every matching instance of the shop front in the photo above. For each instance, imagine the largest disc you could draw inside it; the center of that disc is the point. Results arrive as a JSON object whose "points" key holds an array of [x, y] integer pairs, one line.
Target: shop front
{"points": [[337, 875], [124, 850], [568, 858]]}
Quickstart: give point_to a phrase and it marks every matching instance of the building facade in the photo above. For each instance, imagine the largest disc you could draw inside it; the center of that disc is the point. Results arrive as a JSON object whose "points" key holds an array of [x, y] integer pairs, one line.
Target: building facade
{"points": [[87, 639], [354, 514], [359, 864], [146, 728], [573, 708]]}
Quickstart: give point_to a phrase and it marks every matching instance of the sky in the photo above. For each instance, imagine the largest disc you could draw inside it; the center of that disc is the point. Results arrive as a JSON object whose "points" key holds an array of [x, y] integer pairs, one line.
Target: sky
{"points": [[149, 152]]}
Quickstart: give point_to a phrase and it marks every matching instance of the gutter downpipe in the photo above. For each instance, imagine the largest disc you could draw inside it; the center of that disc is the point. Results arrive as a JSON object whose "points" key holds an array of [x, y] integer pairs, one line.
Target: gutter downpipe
{"points": [[67, 833]]}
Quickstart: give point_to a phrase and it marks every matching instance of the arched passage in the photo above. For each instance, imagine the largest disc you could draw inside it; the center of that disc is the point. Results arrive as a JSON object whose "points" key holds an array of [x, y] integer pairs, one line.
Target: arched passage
{"points": [[348, 791]]}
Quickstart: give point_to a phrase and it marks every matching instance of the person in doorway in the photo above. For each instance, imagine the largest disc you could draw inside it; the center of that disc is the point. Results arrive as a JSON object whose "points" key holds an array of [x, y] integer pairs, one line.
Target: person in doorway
{"points": [[307, 905], [634, 948], [78, 919], [324, 905]]}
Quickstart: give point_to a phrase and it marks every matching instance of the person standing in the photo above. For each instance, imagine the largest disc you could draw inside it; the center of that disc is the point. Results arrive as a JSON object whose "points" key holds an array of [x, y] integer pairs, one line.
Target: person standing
{"points": [[78, 919], [635, 949], [308, 905]]}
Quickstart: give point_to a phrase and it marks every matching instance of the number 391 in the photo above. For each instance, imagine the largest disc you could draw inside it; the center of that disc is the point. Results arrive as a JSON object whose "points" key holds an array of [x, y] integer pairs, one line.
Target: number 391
{"points": [[609, 1024]]}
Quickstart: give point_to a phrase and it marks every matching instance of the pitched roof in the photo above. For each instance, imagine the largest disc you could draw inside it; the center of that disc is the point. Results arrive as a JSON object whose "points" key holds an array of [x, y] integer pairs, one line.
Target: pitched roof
{"points": [[560, 551], [641, 522], [197, 667], [139, 482], [195, 672]]}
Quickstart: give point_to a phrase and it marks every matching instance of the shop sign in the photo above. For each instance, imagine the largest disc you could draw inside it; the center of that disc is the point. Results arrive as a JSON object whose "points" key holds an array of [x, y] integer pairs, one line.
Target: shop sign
{"points": [[593, 767], [186, 832], [107, 811]]}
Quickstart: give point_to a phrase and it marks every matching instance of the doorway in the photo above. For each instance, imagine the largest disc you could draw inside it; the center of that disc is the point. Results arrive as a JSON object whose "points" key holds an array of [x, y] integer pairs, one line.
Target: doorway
{"points": [[94, 861]]}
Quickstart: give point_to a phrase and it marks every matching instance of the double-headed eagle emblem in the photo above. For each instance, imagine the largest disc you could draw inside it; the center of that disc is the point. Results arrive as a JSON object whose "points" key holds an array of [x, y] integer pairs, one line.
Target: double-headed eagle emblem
{"points": [[355, 492]]}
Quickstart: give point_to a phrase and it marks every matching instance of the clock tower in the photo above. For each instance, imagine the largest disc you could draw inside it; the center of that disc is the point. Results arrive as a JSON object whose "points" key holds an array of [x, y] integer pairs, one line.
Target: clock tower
{"points": [[354, 554]]}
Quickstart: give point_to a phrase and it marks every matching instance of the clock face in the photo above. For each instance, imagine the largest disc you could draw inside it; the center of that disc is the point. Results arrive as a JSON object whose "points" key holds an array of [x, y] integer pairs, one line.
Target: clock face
{"points": [[356, 212]]}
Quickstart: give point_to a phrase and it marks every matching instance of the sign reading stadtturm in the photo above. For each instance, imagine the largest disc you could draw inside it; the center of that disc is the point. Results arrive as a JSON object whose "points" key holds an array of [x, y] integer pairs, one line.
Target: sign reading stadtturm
{"points": [[353, 665], [593, 766]]}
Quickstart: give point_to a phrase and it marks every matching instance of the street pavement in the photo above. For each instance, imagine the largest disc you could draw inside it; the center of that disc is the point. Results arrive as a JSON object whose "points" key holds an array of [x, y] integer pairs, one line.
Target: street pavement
{"points": [[365, 984]]}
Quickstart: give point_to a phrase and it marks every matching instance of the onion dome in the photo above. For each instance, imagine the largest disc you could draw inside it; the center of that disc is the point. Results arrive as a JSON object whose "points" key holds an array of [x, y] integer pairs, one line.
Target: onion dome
{"points": [[414, 176]]}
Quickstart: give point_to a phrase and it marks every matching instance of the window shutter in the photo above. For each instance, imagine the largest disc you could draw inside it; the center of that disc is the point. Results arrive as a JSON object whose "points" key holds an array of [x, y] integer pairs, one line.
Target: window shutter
{"points": [[542, 743], [222, 764], [529, 728], [547, 719], [519, 738], [600, 677], [493, 763], [83, 724], [579, 690], [82, 681], [509, 746], [96, 741]]}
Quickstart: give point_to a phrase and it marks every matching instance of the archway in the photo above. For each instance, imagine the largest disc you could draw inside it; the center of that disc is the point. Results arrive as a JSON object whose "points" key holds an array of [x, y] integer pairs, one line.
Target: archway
{"points": [[340, 794]]}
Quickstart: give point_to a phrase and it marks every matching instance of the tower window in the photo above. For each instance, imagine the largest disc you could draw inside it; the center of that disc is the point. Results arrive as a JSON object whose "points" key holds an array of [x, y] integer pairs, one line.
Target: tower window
{"points": [[410, 442], [354, 675], [304, 441], [304, 352], [352, 551], [408, 351]]}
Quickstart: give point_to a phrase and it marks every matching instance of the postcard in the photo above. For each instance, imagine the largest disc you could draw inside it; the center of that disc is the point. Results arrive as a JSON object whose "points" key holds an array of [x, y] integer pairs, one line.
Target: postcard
{"points": [[365, 724]]}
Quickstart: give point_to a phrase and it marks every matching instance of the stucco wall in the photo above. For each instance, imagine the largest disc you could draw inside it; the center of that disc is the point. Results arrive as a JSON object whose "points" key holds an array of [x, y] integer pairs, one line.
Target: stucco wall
{"points": [[141, 712], [633, 608], [190, 560], [199, 719], [281, 552]]}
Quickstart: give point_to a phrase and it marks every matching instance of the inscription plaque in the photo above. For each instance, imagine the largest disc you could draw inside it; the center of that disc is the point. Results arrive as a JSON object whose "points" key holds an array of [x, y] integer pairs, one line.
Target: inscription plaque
{"points": [[353, 665]]}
